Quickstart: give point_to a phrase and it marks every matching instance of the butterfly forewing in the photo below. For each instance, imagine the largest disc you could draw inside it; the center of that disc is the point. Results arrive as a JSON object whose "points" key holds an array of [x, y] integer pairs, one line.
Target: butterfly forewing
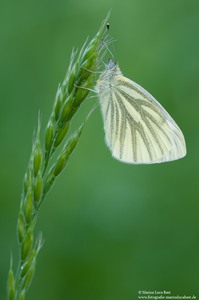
{"points": [[138, 129]]}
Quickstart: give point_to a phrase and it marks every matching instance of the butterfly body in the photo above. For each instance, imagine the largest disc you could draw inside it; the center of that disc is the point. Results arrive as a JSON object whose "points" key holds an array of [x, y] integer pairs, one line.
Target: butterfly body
{"points": [[138, 130]]}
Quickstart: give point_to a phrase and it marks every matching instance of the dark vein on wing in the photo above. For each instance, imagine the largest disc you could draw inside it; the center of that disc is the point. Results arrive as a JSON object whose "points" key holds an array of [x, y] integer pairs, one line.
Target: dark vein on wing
{"points": [[134, 142], [129, 85], [144, 114], [138, 126]]}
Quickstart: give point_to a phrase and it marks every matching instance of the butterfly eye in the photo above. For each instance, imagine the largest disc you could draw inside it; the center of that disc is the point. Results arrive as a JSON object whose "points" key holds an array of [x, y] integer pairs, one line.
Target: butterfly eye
{"points": [[110, 64]]}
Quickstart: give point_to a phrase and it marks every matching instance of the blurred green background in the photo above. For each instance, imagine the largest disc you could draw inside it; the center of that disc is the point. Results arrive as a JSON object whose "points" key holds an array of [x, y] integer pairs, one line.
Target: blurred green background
{"points": [[110, 229]]}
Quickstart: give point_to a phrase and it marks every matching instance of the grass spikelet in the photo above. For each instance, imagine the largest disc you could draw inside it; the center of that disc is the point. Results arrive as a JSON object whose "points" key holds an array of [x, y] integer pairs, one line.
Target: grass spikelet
{"points": [[11, 283], [42, 173]]}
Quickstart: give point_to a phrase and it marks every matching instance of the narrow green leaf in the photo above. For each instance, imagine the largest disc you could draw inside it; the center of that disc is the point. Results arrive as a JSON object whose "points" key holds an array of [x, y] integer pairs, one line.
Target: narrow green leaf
{"points": [[11, 284], [28, 206], [28, 263], [62, 132], [22, 295], [49, 134], [21, 227], [37, 160], [66, 110], [38, 187], [27, 243]]}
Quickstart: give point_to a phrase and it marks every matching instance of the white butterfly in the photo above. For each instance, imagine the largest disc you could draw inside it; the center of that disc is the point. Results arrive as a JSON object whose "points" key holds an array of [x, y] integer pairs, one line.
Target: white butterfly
{"points": [[138, 130]]}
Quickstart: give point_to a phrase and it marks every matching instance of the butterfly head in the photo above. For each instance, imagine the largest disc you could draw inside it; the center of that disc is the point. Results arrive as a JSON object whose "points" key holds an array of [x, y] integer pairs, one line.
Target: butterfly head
{"points": [[111, 64]]}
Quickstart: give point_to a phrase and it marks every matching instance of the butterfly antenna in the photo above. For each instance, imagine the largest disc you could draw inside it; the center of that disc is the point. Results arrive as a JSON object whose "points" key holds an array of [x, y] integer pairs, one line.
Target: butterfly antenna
{"points": [[107, 41]]}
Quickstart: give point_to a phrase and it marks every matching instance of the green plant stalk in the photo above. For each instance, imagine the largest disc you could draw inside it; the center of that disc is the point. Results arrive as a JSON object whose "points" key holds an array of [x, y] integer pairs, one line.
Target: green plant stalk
{"points": [[41, 172]]}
